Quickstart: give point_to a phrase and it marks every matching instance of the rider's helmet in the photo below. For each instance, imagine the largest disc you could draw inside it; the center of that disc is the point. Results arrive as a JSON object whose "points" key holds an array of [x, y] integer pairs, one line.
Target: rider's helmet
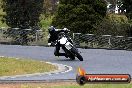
{"points": [[51, 29]]}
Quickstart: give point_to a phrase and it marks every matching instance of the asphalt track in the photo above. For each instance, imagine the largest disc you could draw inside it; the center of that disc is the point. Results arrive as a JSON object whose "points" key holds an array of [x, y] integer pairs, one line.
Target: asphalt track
{"points": [[96, 61]]}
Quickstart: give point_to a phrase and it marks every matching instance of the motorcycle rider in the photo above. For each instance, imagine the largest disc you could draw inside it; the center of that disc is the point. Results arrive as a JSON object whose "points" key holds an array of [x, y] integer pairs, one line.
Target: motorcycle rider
{"points": [[53, 36]]}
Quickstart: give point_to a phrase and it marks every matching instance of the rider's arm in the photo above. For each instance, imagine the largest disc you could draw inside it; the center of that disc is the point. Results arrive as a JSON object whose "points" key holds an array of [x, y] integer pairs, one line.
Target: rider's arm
{"points": [[65, 29], [58, 29]]}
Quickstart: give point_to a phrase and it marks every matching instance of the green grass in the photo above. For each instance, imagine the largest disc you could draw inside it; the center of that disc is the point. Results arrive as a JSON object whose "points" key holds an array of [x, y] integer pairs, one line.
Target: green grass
{"points": [[77, 86], [117, 18], [98, 86], [12, 66], [1, 16], [46, 21]]}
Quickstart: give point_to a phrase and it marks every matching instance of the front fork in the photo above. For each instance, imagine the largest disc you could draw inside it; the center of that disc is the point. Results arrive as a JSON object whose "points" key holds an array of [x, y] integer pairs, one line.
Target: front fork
{"points": [[67, 52]]}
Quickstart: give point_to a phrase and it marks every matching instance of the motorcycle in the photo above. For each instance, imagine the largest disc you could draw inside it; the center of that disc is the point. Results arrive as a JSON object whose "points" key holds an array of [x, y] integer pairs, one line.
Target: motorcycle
{"points": [[67, 46]]}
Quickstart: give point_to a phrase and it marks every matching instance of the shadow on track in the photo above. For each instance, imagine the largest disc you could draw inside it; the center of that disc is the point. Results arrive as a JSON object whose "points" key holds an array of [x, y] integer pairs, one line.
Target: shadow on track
{"points": [[65, 59]]}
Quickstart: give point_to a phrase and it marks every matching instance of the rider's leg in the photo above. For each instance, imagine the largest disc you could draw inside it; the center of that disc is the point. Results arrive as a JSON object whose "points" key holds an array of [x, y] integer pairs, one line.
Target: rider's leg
{"points": [[57, 53]]}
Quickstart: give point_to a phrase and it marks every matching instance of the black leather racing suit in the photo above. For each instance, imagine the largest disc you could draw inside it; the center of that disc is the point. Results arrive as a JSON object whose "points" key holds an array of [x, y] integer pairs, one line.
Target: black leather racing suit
{"points": [[53, 37]]}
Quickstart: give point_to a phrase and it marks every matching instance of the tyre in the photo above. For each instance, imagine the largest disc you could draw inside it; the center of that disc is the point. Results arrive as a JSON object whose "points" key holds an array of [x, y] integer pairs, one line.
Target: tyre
{"points": [[69, 54], [79, 56], [74, 50]]}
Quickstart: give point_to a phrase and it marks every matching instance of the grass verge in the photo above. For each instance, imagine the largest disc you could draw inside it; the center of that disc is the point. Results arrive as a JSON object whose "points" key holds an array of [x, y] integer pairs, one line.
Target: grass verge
{"points": [[64, 85], [96, 86], [12, 66]]}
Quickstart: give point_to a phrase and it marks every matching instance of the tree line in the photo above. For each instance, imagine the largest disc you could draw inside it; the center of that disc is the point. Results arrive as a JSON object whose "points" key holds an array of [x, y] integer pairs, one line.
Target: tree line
{"points": [[90, 16], [77, 15]]}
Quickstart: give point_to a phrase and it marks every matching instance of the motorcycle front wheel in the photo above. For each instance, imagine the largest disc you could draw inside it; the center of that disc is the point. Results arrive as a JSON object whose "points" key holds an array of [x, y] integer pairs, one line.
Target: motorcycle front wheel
{"points": [[73, 50], [72, 57]]}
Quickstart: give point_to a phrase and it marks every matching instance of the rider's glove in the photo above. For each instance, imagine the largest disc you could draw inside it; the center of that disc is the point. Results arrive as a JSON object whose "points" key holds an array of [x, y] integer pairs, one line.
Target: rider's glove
{"points": [[49, 44]]}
